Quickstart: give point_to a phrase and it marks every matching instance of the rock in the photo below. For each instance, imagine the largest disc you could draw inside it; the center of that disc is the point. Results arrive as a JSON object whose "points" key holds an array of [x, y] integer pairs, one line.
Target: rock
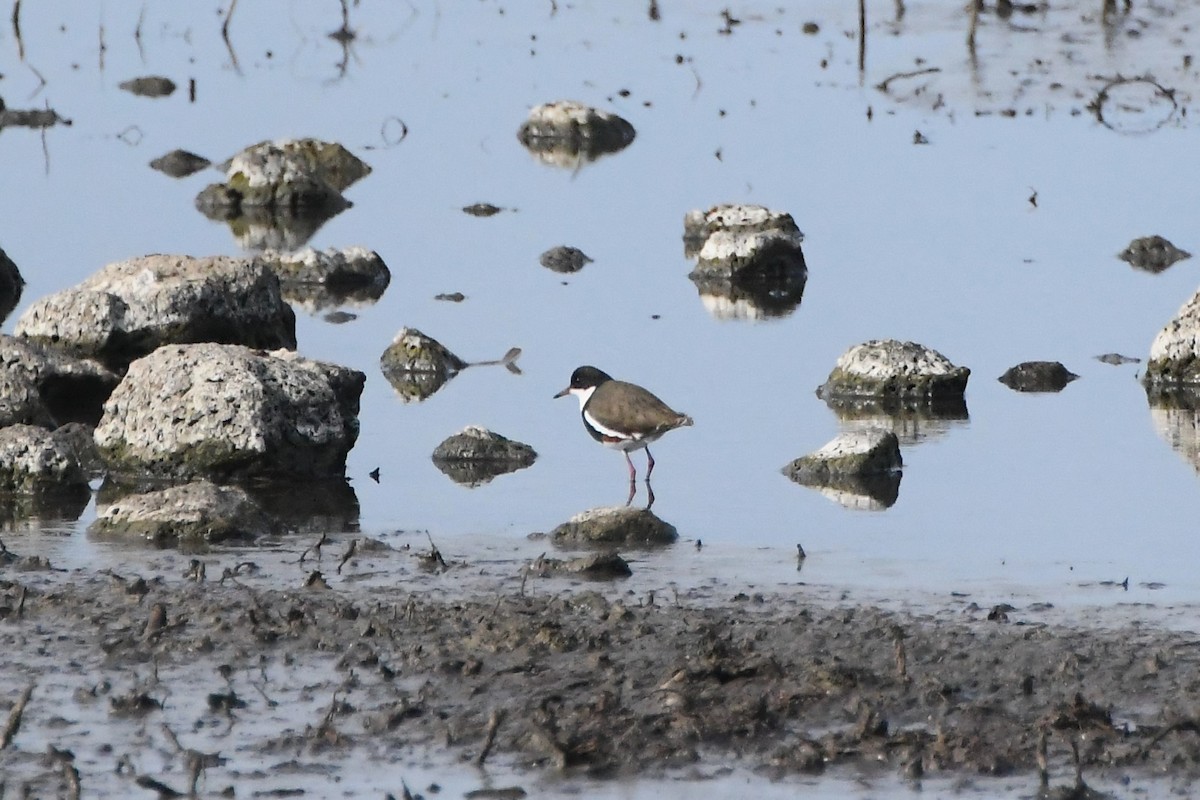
{"points": [[858, 469], [1037, 376], [749, 261], [564, 259], [332, 277], [568, 134], [309, 506], [417, 365], [195, 513], [475, 455], [1174, 362], [11, 285], [179, 163], [1152, 254], [129, 308], [149, 86], [229, 412], [854, 454], [46, 387], [1116, 359], [34, 460], [79, 439], [891, 373], [277, 194], [622, 526], [597, 566], [482, 210]]}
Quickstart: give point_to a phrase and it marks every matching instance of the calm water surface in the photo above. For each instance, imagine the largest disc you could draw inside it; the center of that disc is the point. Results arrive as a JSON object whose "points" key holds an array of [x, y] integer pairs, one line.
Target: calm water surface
{"points": [[1033, 497]]}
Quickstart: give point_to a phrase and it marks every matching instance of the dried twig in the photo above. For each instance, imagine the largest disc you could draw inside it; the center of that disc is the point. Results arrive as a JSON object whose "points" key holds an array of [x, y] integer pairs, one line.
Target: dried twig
{"points": [[14, 718], [494, 720]]}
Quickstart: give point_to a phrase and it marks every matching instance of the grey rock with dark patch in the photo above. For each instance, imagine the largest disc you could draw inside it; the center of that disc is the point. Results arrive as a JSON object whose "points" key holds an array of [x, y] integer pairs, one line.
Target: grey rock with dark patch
{"points": [[43, 386], [11, 285], [564, 259], [475, 455], [226, 412], [129, 308], [149, 86], [851, 454], [886, 371], [1152, 254], [200, 512], [299, 177], [1174, 362], [180, 163], [595, 566], [319, 279], [34, 460], [566, 133], [857, 469], [749, 261], [417, 365], [623, 526], [1037, 376], [80, 439]]}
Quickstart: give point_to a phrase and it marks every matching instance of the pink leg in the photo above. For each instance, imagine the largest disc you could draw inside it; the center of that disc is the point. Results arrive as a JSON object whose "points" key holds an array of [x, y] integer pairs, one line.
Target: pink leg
{"points": [[649, 464], [632, 471]]}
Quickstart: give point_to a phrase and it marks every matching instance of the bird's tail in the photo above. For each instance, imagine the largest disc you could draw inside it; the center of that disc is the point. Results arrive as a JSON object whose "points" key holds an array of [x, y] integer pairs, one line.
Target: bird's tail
{"points": [[684, 421]]}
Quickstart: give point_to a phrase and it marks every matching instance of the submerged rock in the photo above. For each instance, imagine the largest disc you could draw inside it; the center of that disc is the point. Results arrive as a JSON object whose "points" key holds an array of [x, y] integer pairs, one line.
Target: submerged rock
{"points": [[889, 373], [229, 412], [46, 387], [597, 566], [34, 460], [149, 86], [564, 259], [1174, 362], [622, 526], [1116, 359], [859, 469], [417, 365], [319, 279], [1152, 254], [475, 455], [180, 163], [1037, 376], [11, 285], [750, 264], [195, 513], [568, 134], [129, 308]]}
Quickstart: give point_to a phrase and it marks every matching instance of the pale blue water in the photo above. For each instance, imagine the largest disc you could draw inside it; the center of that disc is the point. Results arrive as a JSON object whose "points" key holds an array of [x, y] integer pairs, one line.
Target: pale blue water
{"points": [[1033, 498]]}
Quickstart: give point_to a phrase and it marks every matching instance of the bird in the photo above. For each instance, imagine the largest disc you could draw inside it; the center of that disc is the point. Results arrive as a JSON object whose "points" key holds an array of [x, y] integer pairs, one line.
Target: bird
{"points": [[622, 415]]}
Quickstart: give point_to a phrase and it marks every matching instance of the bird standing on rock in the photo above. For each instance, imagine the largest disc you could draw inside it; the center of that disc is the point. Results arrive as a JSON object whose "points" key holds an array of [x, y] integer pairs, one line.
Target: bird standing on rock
{"points": [[622, 415]]}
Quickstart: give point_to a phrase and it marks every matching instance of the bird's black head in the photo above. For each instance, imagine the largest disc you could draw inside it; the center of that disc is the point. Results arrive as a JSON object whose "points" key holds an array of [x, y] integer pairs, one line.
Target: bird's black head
{"points": [[587, 377]]}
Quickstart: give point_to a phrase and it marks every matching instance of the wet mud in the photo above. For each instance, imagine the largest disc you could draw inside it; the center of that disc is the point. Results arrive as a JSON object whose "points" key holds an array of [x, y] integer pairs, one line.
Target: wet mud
{"points": [[172, 680]]}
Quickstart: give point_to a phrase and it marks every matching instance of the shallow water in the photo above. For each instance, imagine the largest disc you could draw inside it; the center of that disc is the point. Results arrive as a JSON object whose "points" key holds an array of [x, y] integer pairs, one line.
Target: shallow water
{"points": [[1034, 498]]}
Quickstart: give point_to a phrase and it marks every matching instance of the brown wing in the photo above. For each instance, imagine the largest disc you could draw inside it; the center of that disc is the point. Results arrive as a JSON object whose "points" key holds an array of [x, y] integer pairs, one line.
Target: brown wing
{"points": [[640, 413]]}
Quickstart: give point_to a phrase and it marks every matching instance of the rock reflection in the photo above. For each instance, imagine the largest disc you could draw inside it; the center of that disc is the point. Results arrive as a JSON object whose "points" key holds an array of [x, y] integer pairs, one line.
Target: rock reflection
{"points": [[912, 423], [475, 455], [65, 504], [257, 229], [749, 263], [417, 365], [569, 135], [867, 493], [1175, 416]]}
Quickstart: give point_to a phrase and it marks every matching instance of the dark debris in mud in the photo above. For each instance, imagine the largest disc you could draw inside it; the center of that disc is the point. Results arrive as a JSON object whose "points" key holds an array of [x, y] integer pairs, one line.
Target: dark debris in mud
{"points": [[606, 685]]}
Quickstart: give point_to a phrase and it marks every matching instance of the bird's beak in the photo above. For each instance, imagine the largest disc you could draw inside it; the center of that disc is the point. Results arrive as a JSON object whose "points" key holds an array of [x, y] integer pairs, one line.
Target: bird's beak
{"points": [[563, 393]]}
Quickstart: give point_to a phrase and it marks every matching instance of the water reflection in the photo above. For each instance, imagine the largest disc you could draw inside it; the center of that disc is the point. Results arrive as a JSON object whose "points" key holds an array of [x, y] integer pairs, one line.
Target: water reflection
{"points": [[865, 493], [912, 422], [1175, 416], [569, 135], [18, 511], [257, 228]]}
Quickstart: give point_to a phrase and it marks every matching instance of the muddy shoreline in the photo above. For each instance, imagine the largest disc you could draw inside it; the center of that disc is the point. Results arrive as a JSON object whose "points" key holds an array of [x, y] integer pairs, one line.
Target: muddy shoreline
{"points": [[587, 681]]}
